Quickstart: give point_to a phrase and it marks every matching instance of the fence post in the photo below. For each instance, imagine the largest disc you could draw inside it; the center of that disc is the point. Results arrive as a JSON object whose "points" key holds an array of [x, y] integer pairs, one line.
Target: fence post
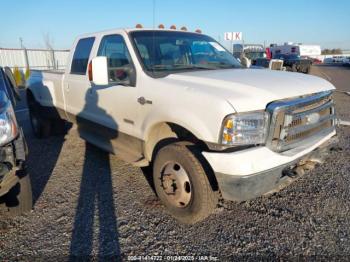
{"points": [[53, 60], [26, 60]]}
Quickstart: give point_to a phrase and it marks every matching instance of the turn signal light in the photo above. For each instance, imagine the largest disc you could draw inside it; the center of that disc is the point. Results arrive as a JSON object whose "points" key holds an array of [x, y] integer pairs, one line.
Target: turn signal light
{"points": [[229, 124], [90, 71], [227, 138]]}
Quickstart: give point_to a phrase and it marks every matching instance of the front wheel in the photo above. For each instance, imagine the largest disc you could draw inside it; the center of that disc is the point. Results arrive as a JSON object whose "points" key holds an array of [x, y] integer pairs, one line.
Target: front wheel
{"points": [[182, 184]]}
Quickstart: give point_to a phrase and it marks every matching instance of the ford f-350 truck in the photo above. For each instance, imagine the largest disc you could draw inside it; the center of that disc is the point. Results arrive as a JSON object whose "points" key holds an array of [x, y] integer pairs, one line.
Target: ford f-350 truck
{"points": [[181, 103]]}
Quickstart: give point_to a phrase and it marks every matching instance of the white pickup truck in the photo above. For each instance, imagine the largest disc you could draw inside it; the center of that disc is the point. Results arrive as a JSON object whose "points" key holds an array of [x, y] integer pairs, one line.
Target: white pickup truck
{"points": [[180, 103]]}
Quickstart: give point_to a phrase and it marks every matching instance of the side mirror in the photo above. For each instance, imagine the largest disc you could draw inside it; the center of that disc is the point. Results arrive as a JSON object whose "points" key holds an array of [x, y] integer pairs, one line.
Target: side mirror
{"points": [[98, 71]]}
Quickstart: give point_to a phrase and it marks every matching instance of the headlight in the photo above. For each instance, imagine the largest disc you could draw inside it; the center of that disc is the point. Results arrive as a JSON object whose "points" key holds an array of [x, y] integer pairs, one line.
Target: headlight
{"points": [[245, 128], [8, 124]]}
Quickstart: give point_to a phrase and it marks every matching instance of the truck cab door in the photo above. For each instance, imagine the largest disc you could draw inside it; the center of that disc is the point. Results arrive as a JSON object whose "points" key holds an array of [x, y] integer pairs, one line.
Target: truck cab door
{"points": [[113, 107]]}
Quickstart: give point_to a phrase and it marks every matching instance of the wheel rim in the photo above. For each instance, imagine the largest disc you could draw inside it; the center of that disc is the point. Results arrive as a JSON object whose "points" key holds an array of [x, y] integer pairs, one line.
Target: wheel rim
{"points": [[176, 184]]}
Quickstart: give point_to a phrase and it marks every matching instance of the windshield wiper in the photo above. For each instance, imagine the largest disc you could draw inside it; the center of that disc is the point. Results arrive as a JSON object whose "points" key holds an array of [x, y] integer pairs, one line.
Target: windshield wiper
{"points": [[195, 66], [221, 65], [179, 67], [160, 67]]}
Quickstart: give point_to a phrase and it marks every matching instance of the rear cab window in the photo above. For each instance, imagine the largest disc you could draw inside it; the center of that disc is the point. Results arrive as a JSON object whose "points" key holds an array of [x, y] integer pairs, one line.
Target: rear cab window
{"points": [[81, 56]]}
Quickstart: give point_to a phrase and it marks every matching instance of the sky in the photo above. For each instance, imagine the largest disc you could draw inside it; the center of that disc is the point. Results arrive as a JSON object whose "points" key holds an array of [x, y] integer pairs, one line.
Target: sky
{"points": [[323, 22]]}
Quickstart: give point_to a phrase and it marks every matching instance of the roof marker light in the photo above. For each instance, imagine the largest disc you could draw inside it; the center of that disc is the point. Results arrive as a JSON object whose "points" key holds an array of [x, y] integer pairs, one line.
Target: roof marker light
{"points": [[161, 26], [184, 28], [198, 31], [138, 26], [173, 27]]}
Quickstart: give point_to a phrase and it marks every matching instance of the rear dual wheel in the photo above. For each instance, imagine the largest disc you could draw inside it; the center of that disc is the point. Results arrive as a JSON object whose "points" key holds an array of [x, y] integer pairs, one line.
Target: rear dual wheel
{"points": [[41, 126], [182, 183]]}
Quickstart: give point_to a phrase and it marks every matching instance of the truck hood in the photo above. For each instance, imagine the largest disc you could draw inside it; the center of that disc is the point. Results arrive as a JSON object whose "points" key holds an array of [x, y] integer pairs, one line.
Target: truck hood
{"points": [[250, 89]]}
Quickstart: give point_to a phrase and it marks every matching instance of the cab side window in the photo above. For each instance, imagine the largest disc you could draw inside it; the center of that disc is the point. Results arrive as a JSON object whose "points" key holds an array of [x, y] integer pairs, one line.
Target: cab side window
{"points": [[118, 57], [81, 56]]}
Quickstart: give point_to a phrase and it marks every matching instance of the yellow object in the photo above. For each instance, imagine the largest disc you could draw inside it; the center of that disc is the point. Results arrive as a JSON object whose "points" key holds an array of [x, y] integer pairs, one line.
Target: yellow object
{"points": [[27, 74], [18, 76], [227, 137], [229, 124]]}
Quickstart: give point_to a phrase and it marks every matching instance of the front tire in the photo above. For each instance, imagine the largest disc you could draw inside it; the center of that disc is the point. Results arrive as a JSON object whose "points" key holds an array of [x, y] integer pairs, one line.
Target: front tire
{"points": [[182, 184]]}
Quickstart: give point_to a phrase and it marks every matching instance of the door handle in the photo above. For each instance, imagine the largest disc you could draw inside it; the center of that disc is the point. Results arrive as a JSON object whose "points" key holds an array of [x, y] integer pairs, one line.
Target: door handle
{"points": [[144, 101]]}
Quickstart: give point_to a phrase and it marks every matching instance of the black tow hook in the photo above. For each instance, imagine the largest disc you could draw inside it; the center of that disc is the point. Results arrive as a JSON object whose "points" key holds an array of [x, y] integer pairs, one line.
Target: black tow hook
{"points": [[289, 172], [301, 168]]}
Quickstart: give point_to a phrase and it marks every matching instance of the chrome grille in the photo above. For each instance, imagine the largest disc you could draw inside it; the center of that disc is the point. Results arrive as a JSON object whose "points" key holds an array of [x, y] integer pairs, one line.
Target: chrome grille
{"points": [[297, 121]]}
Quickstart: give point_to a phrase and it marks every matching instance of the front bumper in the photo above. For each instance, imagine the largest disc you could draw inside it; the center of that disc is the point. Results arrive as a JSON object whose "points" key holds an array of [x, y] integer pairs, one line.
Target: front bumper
{"points": [[250, 173], [12, 159]]}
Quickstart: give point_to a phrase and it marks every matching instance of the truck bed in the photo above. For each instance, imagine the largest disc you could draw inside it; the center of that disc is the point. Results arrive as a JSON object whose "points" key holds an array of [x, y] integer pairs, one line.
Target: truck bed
{"points": [[49, 82], [58, 71]]}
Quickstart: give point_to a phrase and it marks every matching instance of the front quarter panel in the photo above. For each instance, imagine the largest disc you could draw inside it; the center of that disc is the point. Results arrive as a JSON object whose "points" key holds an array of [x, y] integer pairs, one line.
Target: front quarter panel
{"points": [[182, 104]]}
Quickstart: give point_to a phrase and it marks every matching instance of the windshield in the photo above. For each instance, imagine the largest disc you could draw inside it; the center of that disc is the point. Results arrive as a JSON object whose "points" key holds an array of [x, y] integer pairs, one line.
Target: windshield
{"points": [[286, 57], [278, 56], [165, 52], [255, 55]]}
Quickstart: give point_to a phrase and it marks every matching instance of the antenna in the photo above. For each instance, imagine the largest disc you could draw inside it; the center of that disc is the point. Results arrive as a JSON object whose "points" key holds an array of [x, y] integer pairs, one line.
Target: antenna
{"points": [[154, 13]]}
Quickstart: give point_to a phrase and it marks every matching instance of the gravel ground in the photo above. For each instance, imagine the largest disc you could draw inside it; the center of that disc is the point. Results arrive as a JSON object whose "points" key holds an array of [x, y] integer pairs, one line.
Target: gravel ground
{"points": [[340, 78], [89, 204]]}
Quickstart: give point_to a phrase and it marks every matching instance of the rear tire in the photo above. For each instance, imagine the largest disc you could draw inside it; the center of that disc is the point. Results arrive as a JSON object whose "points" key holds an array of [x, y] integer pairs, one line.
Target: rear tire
{"points": [[182, 184], [41, 126], [19, 199], [58, 127]]}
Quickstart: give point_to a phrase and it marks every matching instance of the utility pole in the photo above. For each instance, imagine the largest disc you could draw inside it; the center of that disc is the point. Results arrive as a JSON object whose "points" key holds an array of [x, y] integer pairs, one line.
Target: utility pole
{"points": [[232, 44], [25, 53], [21, 42]]}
